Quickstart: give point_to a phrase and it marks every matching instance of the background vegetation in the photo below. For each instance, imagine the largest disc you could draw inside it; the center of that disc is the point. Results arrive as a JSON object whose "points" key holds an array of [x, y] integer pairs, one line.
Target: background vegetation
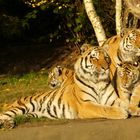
{"points": [[62, 21]]}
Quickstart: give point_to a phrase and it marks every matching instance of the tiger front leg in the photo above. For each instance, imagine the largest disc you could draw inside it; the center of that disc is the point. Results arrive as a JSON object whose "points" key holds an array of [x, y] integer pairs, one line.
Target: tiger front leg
{"points": [[91, 110], [122, 103], [134, 108]]}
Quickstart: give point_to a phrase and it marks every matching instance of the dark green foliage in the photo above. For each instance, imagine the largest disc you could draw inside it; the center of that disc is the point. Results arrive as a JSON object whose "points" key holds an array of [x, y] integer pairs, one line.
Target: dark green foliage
{"points": [[63, 21], [106, 11], [12, 27]]}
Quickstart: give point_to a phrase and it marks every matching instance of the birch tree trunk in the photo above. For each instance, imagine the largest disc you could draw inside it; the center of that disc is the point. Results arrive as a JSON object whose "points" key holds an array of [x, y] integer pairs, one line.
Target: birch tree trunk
{"points": [[95, 21], [118, 16]]}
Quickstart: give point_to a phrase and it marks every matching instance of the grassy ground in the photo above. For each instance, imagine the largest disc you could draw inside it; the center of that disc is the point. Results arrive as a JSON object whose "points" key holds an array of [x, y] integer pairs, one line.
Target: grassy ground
{"points": [[12, 86]]}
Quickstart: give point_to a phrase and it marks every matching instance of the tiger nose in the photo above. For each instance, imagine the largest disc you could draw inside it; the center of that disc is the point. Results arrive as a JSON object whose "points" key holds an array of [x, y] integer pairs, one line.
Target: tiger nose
{"points": [[125, 85], [105, 66], [102, 67]]}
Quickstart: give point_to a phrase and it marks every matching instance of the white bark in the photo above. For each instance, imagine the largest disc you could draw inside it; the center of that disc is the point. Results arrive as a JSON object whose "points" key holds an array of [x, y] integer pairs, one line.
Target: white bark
{"points": [[95, 21], [118, 16]]}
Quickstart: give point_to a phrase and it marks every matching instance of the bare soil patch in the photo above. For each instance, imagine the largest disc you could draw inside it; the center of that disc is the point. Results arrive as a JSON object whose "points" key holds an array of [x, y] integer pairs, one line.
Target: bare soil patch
{"points": [[19, 59], [77, 130]]}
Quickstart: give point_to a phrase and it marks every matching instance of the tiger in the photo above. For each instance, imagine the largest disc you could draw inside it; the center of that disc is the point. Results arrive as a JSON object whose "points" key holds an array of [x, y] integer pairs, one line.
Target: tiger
{"points": [[90, 95], [123, 47], [128, 85], [58, 75]]}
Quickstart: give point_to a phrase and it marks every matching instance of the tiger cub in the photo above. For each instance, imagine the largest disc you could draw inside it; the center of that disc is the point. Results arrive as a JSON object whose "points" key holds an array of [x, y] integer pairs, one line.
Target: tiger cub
{"points": [[128, 85], [90, 95], [58, 75], [125, 47]]}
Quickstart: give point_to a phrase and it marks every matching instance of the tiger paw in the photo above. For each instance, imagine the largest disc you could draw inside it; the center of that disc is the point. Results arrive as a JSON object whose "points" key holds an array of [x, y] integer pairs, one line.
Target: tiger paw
{"points": [[6, 123], [123, 113], [118, 113], [134, 111], [122, 104]]}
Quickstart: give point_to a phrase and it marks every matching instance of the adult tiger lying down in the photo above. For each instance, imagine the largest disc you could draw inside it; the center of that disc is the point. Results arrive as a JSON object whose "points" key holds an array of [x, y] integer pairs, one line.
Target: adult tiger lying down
{"points": [[91, 95]]}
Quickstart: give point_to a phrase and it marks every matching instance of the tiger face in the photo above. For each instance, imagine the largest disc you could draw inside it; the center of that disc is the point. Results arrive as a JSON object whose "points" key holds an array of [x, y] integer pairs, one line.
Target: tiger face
{"points": [[130, 43], [58, 75], [54, 77], [93, 64], [85, 47], [128, 73]]}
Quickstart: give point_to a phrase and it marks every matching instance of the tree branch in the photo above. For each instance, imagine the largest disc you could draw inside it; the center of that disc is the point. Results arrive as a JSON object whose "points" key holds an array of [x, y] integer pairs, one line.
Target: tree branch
{"points": [[95, 21], [118, 16]]}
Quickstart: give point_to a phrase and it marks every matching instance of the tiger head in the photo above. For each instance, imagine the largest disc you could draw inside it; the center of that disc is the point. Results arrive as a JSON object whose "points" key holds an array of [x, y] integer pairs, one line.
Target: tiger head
{"points": [[93, 64], [85, 47], [58, 75], [130, 42], [128, 73]]}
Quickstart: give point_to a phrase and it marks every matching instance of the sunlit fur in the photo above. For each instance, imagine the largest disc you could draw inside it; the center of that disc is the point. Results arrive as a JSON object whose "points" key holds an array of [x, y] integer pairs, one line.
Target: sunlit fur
{"points": [[89, 95], [58, 75], [125, 47], [128, 85]]}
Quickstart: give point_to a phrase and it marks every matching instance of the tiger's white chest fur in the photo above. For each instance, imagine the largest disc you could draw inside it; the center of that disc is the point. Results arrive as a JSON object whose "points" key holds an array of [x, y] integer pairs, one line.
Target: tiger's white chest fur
{"points": [[105, 93], [100, 92]]}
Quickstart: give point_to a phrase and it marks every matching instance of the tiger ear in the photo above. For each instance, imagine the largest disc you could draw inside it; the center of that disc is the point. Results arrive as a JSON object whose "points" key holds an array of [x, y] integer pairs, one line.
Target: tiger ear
{"points": [[119, 65], [84, 48], [58, 70], [123, 32], [136, 64]]}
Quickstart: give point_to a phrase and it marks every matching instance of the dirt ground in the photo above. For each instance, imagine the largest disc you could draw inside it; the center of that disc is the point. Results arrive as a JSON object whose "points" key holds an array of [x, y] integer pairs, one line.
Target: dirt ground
{"points": [[128, 129], [23, 59]]}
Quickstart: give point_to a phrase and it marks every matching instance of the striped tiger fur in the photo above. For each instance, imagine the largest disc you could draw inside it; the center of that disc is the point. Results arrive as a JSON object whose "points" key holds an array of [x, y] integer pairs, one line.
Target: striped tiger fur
{"points": [[128, 85], [125, 47], [90, 95], [58, 75]]}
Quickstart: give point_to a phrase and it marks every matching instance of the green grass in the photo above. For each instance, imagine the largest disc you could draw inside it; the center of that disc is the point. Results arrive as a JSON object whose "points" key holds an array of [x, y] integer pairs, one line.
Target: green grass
{"points": [[23, 119], [18, 120], [13, 87]]}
